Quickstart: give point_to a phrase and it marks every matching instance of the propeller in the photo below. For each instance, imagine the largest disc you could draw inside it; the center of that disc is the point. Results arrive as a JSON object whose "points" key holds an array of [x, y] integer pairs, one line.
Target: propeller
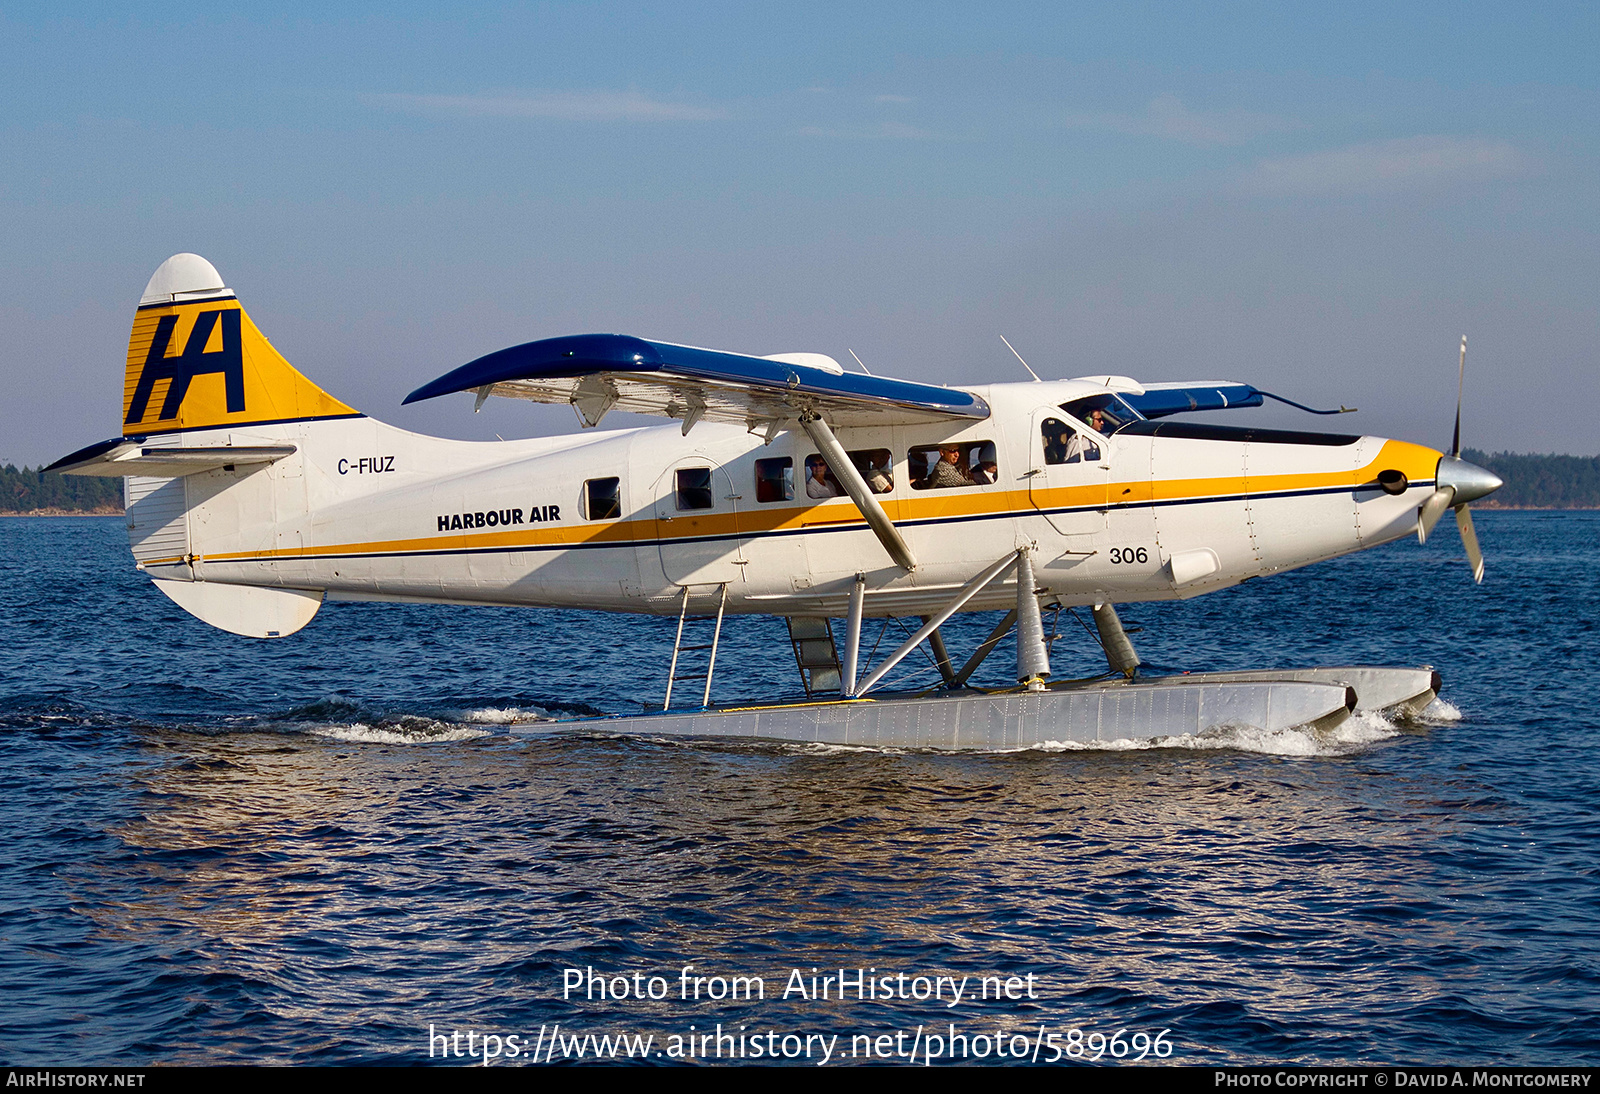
{"points": [[1456, 483]]}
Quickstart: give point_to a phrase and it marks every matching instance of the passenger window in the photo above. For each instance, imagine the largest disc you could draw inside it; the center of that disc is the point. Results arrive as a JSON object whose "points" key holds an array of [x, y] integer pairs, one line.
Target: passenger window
{"points": [[820, 482], [694, 488], [1063, 444], [775, 479], [876, 466], [602, 499], [957, 463]]}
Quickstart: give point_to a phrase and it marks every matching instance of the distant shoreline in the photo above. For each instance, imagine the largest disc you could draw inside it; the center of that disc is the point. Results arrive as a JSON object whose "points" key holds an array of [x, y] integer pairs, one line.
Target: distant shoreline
{"points": [[65, 513]]}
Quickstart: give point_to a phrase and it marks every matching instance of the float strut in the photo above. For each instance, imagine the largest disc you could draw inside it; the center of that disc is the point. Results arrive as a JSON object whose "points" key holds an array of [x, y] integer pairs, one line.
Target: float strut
{"points": [[1033, 657], [941, 656], [968, 591], [987, 648], [852, 637], [1119, 651]]}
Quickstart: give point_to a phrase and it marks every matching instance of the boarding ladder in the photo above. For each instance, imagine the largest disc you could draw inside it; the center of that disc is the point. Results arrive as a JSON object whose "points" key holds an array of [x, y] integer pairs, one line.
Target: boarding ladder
{"points": [[815, 654], [679, 648]]}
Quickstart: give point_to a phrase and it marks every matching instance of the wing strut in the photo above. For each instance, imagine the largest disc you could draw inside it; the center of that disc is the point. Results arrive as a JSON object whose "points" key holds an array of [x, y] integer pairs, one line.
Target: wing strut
{"points": [[844, 470]]}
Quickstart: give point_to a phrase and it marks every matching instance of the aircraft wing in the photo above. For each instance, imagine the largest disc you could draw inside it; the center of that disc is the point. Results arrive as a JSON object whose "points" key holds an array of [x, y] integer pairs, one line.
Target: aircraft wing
{"points": [[599, 372]]}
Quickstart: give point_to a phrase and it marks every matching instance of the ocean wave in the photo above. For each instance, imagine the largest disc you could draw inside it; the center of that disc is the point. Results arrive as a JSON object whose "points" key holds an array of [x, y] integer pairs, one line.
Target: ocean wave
{"points": [[406, 732]]}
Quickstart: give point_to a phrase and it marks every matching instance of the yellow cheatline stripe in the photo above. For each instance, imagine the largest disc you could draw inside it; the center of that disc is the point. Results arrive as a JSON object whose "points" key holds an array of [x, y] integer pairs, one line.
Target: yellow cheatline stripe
{"points": [[1414, 460], [619, 533]]}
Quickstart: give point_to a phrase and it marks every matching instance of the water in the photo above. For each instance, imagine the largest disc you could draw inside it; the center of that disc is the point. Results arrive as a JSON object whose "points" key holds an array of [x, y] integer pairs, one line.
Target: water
{"points": [[312, 850]]}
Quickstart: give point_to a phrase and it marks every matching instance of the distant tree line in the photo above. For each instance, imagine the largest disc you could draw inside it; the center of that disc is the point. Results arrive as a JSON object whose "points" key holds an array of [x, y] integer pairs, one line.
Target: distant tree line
{"points": [[32, 491], [1532, 482], [1541, 482]]}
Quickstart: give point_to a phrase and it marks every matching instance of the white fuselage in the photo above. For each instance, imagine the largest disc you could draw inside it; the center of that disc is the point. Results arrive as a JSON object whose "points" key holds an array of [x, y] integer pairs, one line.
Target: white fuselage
{"points": [[366, 511]]}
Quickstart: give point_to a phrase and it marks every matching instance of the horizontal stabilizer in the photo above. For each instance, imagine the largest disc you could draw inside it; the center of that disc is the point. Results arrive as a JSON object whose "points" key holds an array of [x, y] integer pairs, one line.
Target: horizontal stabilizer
{"points": [[250, 610], [118, 457], [598, 372]]}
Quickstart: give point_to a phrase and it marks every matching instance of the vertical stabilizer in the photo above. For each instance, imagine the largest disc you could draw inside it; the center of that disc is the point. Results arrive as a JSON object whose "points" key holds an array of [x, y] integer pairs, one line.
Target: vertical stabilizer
{"points": [[196, 361]]}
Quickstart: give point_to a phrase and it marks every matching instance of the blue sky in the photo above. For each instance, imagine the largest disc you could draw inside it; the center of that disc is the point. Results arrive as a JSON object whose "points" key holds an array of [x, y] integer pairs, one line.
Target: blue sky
{"points": [[1318, 200]]}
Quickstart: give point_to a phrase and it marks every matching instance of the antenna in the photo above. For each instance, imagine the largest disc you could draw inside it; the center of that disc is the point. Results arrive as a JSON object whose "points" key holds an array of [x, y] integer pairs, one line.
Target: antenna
{"points": [[1018, 356], [864, 368]]}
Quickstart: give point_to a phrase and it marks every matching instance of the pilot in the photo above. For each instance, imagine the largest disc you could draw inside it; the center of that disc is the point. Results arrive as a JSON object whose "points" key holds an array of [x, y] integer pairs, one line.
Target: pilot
{"points": [[986, 473], [818, 486], [1081, 448], [948, 471], [1084, 448]]}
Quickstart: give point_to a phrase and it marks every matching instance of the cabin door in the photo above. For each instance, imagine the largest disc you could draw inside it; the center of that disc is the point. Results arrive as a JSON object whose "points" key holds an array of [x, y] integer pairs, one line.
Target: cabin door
{"points": [[1068, 474], [697, 524]]}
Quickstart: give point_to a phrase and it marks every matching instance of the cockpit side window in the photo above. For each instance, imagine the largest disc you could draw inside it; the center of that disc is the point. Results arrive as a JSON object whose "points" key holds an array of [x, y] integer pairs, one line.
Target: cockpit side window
{"points": [[1105, 414]]}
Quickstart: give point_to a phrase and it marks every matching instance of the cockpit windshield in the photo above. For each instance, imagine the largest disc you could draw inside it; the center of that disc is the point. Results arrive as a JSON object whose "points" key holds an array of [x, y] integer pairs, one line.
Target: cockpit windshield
{"points": [[1105, 414]]}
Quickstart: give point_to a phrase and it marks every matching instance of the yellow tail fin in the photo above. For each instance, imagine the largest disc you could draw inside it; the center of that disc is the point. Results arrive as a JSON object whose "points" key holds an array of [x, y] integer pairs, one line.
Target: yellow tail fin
{"points": [[196, 361]]}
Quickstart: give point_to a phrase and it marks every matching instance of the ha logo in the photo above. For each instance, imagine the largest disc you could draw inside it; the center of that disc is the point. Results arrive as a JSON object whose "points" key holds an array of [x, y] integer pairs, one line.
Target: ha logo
{"points": [[194, 361]]}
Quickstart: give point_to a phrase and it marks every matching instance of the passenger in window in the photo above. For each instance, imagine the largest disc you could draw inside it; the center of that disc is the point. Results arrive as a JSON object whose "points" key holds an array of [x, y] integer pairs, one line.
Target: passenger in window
{"points": [[818, 485], [1057, 436], [875, 468], [986, 473], [948, 471], [1083, 448]]}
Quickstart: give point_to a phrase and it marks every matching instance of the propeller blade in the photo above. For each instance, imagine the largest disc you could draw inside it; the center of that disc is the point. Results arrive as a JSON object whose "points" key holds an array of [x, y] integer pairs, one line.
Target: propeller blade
{"points": [[1461, 387], [1432, 510], [1469, 540]]}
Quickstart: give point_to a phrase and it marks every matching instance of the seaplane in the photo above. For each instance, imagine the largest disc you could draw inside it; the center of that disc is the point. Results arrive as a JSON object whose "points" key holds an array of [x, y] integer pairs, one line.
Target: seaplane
{"points": [[782, 485]]}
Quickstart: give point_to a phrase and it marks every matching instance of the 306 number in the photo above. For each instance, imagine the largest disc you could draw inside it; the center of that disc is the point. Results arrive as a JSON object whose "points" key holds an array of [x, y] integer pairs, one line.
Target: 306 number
{"points": [[1128, 555]]}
